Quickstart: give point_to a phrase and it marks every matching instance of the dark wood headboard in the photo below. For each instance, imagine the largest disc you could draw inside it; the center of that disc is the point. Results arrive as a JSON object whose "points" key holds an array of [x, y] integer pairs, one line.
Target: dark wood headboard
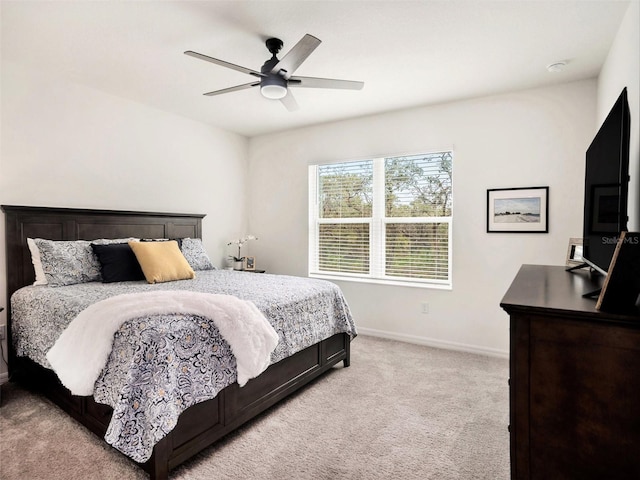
{"points": [[80, 224]]}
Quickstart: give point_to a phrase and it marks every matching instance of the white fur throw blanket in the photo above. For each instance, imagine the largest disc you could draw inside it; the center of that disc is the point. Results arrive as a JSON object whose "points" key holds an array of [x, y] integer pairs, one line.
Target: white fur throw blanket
{"points": [[81, 352]]}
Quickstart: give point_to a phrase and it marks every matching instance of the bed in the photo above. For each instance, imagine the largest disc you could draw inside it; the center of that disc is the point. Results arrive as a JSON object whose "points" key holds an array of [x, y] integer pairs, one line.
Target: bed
{"points": [[201, 422]]}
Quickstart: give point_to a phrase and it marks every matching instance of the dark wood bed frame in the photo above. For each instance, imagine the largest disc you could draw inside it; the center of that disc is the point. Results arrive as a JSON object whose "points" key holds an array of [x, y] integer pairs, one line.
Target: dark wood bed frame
{"points": [[202, 424]]}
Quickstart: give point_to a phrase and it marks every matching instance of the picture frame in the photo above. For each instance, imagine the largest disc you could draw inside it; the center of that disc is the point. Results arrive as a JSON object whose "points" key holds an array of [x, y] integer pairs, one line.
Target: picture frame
{"points": [[518, 210], [574, 253], [249, 263]]}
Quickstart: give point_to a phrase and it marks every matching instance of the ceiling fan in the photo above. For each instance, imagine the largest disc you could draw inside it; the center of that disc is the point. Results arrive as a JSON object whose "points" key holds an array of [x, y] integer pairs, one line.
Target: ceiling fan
{"points": [[276, 76]]}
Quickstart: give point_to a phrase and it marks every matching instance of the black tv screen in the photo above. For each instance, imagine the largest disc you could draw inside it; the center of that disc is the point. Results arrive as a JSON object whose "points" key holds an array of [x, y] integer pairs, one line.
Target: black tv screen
{"points": [[606, 187]]}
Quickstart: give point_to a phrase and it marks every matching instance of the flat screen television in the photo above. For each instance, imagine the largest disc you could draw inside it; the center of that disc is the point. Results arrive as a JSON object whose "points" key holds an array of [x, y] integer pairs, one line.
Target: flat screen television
{"points": [[606, 187]]}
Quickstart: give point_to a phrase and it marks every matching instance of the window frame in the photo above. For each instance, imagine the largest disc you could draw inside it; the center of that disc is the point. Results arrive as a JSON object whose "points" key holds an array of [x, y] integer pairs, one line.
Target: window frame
{"points": [[377, 231]]}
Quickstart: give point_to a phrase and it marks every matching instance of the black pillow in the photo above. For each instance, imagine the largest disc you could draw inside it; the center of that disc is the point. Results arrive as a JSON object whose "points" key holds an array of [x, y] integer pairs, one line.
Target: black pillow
{"points": [[118, 263]]}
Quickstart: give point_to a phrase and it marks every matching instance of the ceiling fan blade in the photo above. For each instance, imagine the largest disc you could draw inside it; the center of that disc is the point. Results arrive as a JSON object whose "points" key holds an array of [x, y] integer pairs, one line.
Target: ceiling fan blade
{"points": [[315, 82], [298, 54], [289, 101], [232, 89], [224, 64]]}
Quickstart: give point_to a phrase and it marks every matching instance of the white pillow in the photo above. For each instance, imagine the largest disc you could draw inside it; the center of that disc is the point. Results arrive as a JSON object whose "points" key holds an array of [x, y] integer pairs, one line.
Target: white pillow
{"points": [[37, 263]]}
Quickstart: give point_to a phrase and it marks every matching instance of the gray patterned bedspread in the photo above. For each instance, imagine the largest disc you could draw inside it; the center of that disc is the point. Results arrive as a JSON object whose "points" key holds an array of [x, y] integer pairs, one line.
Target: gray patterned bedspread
{"points": [[162, 364]]}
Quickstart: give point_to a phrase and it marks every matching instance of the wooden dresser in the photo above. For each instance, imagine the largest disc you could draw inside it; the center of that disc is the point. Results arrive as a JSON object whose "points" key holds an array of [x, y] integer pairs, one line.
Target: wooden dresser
{"points": [[575, 380]]}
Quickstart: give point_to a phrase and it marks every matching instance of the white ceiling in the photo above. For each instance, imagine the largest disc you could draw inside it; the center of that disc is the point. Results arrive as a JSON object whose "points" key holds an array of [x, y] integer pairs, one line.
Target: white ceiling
{"points": [[407, 53]]}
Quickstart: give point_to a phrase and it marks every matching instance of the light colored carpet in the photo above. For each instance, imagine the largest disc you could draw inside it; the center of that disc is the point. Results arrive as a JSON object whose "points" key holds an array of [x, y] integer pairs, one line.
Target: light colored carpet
{"points": [[399, 411]]}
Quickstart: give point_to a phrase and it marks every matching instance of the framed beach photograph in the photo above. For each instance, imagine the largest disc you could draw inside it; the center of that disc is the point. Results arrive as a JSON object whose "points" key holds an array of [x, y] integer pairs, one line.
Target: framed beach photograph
{"points": [[518, 210]]}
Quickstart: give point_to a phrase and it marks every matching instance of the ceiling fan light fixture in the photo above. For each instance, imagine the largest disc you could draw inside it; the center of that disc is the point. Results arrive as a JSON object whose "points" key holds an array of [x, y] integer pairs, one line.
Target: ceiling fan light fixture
{"points": [[273, 92], [273, 87]]}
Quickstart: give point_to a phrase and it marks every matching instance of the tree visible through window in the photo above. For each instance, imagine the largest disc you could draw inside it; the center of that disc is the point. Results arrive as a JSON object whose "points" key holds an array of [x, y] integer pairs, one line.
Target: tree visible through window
{"points": [[386, 219]]}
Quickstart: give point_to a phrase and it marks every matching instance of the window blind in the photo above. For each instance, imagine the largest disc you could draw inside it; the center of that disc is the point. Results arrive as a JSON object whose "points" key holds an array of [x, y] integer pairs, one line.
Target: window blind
{"points": [[417, 250], [418, 185], [344, 248], [346, 190], [385, 219]]}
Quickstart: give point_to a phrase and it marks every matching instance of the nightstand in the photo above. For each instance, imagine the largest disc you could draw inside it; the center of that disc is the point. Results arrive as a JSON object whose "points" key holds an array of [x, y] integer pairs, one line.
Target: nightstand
{"points": [[255, 271]]}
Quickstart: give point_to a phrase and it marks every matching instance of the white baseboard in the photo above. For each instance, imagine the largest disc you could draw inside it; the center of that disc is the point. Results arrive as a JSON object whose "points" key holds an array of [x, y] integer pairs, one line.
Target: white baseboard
{"points": [[431, 342]]}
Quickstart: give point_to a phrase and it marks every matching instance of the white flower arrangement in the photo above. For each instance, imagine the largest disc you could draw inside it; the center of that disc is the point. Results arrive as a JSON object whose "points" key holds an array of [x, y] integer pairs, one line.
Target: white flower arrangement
{"points": [[240, 242]]}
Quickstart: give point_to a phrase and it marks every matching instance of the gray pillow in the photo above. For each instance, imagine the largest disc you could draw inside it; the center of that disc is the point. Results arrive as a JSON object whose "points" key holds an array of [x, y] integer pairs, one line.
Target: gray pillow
{"points": [[193, 250], [68, 262]]}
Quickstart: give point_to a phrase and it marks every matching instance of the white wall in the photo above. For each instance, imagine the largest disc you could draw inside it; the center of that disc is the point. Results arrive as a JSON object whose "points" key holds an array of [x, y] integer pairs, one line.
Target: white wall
{"points": [[65, 145], [529, 138], [622, 69]]}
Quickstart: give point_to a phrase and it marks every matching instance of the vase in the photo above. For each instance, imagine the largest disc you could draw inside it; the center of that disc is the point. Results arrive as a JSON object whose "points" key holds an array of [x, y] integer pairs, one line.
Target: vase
{"points": [[237, 265]]}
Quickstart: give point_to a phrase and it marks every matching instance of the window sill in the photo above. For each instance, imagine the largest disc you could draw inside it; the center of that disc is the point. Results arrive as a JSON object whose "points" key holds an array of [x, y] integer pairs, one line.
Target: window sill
{"points": [[379, 281]]}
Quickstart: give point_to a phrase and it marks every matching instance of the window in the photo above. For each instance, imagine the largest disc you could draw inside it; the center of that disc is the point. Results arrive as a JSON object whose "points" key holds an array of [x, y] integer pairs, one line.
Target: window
{"points": [[385, 220]]}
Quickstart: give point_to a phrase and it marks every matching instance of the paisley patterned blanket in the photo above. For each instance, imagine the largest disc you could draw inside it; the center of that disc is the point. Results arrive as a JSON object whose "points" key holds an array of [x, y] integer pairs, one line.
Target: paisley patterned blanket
{"points": [[164, 363], [82, 351]]}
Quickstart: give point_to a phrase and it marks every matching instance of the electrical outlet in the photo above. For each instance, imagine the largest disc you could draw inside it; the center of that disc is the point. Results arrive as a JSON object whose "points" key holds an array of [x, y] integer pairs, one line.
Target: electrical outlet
{"points": [[424, 307], [3, 332]]}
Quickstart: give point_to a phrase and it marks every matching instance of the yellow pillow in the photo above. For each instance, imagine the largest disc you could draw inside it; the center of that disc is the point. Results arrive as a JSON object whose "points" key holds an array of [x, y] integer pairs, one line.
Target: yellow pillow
{"points": [[162, 261]]}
